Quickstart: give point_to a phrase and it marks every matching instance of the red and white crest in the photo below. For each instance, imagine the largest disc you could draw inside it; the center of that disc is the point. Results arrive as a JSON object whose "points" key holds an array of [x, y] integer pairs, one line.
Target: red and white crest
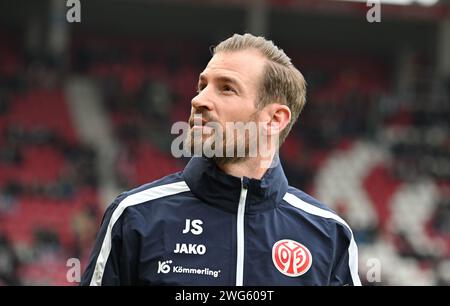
{"points": [[291, 258]]}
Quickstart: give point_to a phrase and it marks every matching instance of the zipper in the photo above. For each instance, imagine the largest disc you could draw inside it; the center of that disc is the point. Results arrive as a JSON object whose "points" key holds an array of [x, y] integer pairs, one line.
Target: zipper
{"points": [[240, 233]]}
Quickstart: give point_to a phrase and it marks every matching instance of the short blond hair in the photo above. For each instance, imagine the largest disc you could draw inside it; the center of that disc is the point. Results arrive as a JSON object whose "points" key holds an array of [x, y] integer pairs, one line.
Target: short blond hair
{"points": [[281, 82]]}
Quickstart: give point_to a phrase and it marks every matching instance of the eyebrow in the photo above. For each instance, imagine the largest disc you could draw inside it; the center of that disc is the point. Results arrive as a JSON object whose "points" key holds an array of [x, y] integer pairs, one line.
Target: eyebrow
{"points": [[223, 79]]}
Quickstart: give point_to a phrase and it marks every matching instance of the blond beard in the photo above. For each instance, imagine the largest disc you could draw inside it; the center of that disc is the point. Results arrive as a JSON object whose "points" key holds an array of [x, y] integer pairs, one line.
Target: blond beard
{"points": [[217, 143]]}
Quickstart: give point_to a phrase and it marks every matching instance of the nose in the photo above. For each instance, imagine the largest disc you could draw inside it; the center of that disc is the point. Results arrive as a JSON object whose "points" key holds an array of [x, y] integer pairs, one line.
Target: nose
{"points": [[202, 101]]}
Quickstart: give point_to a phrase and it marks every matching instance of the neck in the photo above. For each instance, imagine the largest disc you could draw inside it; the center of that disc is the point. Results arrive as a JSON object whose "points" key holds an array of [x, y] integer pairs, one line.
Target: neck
{"points": [[254, 167]]}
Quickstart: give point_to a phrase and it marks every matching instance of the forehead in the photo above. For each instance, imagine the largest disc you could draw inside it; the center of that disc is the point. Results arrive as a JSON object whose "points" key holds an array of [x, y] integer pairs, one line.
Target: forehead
{"points": [[246, 66]]}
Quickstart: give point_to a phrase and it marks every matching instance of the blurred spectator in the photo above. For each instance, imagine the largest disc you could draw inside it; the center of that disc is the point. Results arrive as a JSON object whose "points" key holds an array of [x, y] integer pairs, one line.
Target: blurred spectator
{"points": [[7, 202], [9, 263], [85, 226], [11, 154], [46, 243], [4, 102], [441, 219]]}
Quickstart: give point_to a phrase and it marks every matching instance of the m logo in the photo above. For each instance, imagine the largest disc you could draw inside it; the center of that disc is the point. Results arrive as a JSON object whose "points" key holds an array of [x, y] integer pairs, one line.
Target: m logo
{"points": [[291, 258]]}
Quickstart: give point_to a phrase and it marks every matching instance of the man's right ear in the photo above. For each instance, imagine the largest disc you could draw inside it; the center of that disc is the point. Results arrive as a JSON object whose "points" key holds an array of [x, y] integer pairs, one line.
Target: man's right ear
{"points": [[280, 116]]}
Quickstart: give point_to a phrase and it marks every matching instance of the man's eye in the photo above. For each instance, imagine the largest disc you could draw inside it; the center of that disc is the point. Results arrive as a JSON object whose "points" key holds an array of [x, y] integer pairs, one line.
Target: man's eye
{"points": [[228, 88]]}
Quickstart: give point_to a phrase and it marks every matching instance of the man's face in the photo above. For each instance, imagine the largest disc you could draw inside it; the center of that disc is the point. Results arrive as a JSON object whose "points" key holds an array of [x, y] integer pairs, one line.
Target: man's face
{"points": [[227, 93]]}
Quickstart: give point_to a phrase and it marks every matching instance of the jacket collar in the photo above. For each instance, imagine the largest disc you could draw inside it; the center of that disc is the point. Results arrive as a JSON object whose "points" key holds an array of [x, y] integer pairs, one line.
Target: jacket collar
{"points": [[210, 184]]}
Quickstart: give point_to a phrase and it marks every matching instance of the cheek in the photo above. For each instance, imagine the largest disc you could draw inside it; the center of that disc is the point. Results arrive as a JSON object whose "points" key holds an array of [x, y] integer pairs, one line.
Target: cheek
{"points": [[238, 112]]}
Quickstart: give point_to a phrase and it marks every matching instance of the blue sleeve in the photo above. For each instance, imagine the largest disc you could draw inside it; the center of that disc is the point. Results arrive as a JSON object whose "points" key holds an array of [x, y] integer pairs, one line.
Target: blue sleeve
{"points": [[119, 263], [345, 268]]}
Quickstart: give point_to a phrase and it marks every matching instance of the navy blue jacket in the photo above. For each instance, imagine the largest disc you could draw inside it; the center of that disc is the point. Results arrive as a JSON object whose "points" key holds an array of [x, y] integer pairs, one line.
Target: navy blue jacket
{"points": [[204, 227]]}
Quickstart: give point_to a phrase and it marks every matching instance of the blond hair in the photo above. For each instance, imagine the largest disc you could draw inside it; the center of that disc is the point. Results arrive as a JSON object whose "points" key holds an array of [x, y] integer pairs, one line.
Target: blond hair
{"points": [[281, 82]]}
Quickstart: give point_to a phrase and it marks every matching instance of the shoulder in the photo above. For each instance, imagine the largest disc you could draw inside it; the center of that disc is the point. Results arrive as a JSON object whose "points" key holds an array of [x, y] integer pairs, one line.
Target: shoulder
{"points": [[331, 229], [315, 211], [129, 202], [167, 186]]}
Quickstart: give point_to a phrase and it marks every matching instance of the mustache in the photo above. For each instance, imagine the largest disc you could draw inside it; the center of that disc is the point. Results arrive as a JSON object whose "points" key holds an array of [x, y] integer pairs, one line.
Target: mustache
{"points": [[204, 117]]}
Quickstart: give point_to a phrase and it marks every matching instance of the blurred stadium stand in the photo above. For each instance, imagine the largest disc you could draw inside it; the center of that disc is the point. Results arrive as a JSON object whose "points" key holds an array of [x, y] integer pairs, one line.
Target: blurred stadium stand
{"points": [[86, 111]]}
